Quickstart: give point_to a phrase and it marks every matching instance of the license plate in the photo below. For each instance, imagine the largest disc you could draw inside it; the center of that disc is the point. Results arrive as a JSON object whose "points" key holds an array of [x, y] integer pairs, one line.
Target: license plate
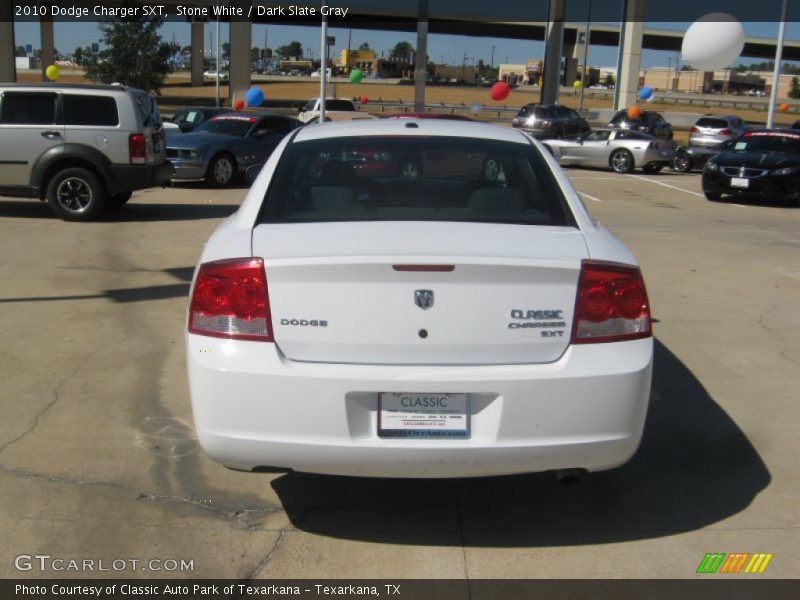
{"points": [[665, 153], [418, 415], [740, 182]]}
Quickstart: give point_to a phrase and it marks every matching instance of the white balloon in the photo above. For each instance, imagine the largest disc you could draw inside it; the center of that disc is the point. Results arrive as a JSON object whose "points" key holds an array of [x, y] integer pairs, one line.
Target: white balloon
{"points": [[651, 98], [713, 42], [476, 108]]}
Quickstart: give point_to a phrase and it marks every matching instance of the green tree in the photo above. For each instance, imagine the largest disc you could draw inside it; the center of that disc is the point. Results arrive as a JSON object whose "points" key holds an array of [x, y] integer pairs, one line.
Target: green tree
{"points": [[291, 49], [77, 55], [135, 54], [364, 46], [226, 51], [794, 91], [609, 80], [401, 50], [21, 51]]}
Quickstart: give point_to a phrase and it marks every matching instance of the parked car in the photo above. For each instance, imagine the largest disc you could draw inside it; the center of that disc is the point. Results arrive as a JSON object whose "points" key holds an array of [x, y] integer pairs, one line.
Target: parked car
{"points": [[796, 124], [648, 122], [621, 149], [222, 148], [82, 148], [223, 75], [339, 109], [763, 164], [688, 158], [553, 121], [189, 118], [711, 130], [435, 327]]}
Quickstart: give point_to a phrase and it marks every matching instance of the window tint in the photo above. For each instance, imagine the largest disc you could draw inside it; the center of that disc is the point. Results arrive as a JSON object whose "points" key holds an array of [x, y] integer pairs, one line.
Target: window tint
{"points": [[600, 135], [343, 105], [709, 122], [90, 110], [28, 108], [277, 125], [414, 179]]}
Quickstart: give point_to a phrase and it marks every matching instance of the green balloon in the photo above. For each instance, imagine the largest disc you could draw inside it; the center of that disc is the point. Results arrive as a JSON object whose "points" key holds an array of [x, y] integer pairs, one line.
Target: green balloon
{"points": [[356, 75]]}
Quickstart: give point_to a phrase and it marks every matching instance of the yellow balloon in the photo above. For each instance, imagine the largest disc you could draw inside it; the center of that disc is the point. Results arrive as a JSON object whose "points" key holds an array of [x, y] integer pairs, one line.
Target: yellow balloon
{"points": [[577, 85], [52, 72]]}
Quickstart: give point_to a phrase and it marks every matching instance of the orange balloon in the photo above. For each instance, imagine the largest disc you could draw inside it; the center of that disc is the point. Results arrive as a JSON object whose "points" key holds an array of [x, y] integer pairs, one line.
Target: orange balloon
{"points": [[783, 107], [634, 113]]}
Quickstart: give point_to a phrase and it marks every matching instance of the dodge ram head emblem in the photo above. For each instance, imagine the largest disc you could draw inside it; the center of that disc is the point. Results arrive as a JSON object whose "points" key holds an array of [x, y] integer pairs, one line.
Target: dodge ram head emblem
{"points": [[423, 298]]}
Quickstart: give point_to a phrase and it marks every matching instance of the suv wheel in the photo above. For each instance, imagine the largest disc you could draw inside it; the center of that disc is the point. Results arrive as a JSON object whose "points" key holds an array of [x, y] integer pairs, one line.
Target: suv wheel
{"points": [[222, 170], [653, 168], [682, 163], [712, 196], [76, 195], [622, 161]]}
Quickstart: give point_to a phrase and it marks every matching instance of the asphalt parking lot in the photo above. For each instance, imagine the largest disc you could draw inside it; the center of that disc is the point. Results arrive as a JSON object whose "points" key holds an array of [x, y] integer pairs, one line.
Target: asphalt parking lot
{"points": [[98, 458]]}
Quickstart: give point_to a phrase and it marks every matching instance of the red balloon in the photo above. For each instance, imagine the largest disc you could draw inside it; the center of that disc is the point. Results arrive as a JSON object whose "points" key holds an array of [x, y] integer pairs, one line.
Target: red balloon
{"points": [[238, 105], [363, 100], [500, 91]]}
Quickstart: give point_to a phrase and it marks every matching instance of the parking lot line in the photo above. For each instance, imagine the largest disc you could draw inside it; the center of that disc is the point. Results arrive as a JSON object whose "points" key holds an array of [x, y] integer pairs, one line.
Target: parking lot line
{"points": [[667, 185], [590, 197]]}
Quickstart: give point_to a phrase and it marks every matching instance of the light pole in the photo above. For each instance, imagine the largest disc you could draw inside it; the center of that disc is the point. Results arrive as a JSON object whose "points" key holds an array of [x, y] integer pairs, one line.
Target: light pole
{"points": [[491, 63], [585, 53], [776, 75], [669, 73]]}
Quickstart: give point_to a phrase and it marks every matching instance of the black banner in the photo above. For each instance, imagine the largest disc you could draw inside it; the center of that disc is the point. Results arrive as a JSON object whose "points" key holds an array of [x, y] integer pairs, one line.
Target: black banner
{"points": [[713, 588]]}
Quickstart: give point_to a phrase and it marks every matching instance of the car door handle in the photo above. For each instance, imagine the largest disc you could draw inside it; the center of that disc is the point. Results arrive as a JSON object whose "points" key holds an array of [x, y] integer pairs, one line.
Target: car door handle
{"points": [[51, 134]]}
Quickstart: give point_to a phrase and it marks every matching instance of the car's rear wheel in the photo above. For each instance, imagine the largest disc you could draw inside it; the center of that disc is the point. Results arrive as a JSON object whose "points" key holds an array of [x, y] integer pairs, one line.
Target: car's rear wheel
{"points": [[621, 161], [118, 200], [712, 196], [222, 170], [76, 194], [682, 163], [652, 168]]}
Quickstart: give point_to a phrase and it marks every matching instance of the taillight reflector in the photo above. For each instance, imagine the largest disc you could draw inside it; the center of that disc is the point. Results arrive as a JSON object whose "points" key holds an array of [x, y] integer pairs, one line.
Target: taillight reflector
{"points": [[230, 300], [611, 304], [137, 148], [694, 130], [726, 132]]}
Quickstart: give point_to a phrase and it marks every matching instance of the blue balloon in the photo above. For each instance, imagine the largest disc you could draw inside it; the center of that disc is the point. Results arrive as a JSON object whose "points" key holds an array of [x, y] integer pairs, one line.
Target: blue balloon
{"points": [[254, 97], [646, 93]]}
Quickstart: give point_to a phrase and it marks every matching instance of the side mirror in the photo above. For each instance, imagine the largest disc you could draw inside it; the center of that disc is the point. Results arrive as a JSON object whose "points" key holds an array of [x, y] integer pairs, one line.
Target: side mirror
{"points": [[251, 174], [185, 127]]}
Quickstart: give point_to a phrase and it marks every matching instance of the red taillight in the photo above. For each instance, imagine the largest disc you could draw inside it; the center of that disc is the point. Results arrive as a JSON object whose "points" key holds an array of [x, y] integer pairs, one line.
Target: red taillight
{"points": [[611, 304], [694, 130], [230, 301], [137, 148], [726, 132]]}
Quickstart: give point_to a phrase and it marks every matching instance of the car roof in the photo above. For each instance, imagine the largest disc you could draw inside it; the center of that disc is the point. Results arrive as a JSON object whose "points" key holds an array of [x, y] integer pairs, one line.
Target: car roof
{"points": [[70, 86], [430, 116], [411, 128]]}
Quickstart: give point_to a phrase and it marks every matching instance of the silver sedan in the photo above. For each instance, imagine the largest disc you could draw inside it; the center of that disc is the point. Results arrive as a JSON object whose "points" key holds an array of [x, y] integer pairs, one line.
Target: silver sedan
{"points": [[621, 149]]}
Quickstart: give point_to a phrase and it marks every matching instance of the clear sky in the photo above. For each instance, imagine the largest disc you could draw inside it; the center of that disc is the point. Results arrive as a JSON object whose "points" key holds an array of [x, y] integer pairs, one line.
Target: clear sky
{"points": [[441, 48]]}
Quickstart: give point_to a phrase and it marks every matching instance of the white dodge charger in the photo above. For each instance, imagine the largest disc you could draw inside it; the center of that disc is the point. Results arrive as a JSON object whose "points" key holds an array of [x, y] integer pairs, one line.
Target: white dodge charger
{"points": [[464, 318]]}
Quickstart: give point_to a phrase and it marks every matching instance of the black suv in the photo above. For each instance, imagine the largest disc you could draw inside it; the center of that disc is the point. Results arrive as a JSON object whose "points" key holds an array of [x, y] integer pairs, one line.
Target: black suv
{"points": [[550, 121], [648, 122], [83, 148]]}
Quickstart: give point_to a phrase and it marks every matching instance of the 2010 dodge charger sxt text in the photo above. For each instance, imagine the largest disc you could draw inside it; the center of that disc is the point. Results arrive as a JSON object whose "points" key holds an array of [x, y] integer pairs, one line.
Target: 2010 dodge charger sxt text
{"points": [[466, 319]]}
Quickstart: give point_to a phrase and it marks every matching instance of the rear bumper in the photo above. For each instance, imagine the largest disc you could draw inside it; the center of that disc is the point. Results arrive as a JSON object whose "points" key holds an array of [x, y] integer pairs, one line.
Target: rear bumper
{"points": [[254, 407], [129, 178]]}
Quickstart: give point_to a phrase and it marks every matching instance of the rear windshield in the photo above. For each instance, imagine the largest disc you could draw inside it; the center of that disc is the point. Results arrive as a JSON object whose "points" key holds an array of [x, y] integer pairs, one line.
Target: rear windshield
{"points": [[414, 179], [340, 105], [227, 126], [540, 112], [147, 108], [768, 141], [710, 122]]}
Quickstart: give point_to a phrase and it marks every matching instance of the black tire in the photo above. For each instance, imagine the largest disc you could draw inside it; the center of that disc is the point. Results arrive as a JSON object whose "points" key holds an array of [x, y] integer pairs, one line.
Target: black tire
{"points": [[713, 197], [221, 170], [621, 161], [118, 200], [76, 194], [410, 167], [682, 163], [652, 168]]}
